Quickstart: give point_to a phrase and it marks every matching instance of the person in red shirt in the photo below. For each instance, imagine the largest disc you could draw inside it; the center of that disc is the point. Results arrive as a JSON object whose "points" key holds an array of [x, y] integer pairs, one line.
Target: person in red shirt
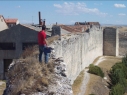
{"points": [[42, 44]]}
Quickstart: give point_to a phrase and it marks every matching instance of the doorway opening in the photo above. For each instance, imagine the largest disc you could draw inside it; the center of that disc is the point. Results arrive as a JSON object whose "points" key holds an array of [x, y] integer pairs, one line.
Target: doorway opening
{"points": [[7, 62]]}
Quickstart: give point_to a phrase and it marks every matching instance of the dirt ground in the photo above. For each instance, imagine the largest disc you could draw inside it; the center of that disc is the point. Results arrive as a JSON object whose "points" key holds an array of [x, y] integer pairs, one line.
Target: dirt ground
{"points": [[98, 85], [77, 83], [2, 87]]}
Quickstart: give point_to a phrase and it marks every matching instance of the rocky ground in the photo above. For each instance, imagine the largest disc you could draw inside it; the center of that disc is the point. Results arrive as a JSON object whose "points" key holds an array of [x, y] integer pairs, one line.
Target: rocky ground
{"points": [[59, 84]]}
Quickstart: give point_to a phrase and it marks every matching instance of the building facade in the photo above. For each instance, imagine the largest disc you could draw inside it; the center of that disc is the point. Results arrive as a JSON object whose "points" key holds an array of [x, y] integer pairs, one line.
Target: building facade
{"points": [[3, 24], [12, 22], [13, 41]]}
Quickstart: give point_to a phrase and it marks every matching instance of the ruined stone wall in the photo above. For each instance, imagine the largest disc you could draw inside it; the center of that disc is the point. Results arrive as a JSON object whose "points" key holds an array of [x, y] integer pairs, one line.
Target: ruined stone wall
{"points": [[79, 50]]}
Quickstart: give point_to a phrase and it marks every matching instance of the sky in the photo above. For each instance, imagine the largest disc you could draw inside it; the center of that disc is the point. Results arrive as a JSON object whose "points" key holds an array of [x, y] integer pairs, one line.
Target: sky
{"points": [[66, 11]]}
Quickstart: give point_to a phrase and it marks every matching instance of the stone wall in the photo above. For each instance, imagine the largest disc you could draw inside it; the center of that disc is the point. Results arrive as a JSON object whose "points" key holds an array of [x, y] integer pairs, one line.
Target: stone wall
{"points": [[79, 50], [56, 30], [110, 42], [122, 43]]}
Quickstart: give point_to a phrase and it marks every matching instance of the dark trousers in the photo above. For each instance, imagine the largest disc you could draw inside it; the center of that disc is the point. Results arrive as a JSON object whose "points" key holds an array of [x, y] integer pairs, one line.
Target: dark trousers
{"points": [[46, 55]]}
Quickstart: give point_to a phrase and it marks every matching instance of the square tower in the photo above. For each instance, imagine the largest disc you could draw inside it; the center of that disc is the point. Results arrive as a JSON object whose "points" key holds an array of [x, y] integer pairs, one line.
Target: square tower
{"points": [[110, 41]]}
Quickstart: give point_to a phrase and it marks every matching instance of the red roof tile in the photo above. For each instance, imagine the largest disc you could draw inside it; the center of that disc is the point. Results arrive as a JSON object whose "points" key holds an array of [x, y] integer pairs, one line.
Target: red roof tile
{"points": [[11, 20], [75, 28], [93, 23], [70, 29], [87, 23], [3, 18], [79, 28]]}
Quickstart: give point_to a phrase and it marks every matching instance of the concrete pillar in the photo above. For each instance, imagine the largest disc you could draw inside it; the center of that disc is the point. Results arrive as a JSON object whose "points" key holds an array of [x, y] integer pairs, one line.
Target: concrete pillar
{"points": [[1, 69], [117, 42], [110, 42]]}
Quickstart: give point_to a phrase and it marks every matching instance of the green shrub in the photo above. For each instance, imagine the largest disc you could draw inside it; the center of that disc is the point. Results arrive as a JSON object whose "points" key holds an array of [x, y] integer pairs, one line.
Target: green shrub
{"points": [[122, 67], [117, 76], [124, 60], [118, 89], [96, 70]]}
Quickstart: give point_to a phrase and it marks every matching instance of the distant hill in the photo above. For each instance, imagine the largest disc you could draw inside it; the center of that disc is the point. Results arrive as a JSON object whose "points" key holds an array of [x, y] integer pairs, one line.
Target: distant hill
{"points": [[113, 25]]}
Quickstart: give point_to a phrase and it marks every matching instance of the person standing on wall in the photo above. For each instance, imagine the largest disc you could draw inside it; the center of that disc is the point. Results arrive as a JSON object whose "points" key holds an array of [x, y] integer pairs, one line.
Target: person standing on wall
{"points": [[42, 44]]}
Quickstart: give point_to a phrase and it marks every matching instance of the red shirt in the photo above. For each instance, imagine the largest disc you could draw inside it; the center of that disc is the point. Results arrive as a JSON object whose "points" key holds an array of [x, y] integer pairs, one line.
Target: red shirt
{"points": [[41, 37]]}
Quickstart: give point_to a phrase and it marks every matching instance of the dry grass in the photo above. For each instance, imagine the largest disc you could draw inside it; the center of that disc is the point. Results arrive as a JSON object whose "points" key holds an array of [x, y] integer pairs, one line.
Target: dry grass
{"points": [[93, 80], [2, 87], [28, 75], [109, 62], [77, 83], [30, 51]]}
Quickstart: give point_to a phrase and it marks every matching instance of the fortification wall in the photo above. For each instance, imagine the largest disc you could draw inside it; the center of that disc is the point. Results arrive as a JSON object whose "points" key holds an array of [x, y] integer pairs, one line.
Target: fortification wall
{"points": [[79, 50]]}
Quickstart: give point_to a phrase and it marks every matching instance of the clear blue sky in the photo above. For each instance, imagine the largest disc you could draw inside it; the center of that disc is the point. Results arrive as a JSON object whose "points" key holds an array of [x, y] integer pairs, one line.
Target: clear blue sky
{"points": [[66, 11]]}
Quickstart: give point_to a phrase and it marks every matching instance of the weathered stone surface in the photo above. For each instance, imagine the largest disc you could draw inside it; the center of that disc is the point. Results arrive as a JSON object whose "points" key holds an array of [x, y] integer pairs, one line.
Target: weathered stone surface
{"points": [[110, 42], [79, 50], [58, 85], [123, 44]]}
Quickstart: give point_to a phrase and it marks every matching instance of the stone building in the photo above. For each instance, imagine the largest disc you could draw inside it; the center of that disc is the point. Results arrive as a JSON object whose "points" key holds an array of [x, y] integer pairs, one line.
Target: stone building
{"points": [[13, 41], [87, 23], [3, 24]]}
